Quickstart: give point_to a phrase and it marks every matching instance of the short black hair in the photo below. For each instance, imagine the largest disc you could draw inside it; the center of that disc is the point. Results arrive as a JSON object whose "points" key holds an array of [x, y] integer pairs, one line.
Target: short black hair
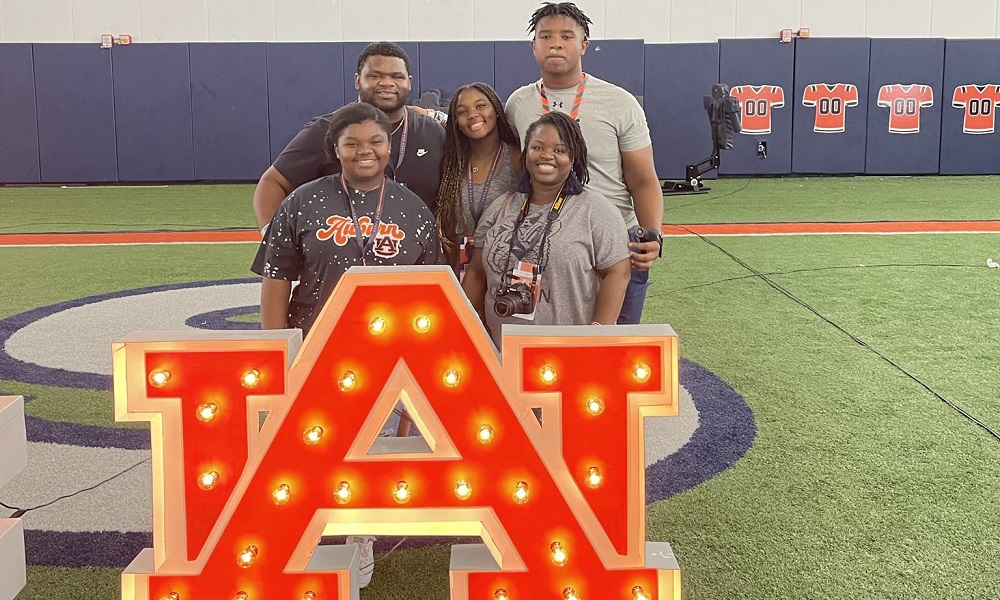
{"points": [[570, 134], [352, 114], [551, 9], [383, 49]]}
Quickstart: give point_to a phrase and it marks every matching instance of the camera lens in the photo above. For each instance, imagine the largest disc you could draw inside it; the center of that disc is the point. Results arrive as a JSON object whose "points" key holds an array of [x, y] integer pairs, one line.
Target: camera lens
{"points": [[504, 306]]}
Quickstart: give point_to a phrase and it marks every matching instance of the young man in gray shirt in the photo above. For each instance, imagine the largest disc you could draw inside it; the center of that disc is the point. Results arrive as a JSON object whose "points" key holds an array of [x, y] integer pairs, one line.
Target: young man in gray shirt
{"points": [[619, 149]]}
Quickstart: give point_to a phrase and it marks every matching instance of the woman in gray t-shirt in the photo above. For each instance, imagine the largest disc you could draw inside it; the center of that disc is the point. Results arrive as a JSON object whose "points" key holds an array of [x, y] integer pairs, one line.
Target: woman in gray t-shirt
{"points": [[480, 164], [554, 253]]}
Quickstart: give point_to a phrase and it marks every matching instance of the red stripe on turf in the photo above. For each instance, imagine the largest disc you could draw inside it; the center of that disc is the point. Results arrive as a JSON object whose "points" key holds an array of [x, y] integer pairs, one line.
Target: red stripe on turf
{"points": [[863, 227], [175, 237], [149, 237]]}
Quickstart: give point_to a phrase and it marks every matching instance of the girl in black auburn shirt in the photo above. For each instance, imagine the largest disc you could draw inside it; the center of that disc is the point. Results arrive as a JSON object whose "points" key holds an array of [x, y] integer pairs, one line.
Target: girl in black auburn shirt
{"points": [[355, 217]]}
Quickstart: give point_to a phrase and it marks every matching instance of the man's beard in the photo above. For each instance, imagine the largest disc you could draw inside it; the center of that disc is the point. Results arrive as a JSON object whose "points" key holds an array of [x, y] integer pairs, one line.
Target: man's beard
{"points": [[374, 100]]}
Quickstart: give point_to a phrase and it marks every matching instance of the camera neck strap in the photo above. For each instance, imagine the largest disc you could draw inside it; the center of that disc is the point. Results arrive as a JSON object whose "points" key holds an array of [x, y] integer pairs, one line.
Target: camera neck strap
{"points": [[522, 214]]}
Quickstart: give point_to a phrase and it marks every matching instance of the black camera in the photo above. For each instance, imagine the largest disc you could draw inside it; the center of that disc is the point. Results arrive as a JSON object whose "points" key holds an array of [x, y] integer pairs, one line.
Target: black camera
{"points": [[514, 299]]}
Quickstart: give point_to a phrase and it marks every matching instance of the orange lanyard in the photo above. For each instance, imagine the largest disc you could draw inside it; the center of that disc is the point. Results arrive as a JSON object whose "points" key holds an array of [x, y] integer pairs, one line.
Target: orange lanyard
{"points": [[576, 101]]}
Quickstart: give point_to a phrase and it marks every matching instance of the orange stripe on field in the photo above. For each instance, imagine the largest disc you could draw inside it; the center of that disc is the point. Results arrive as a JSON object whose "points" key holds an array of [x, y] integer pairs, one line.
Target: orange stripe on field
{"points": [[862, 227], [208, 237], [148, 237]]}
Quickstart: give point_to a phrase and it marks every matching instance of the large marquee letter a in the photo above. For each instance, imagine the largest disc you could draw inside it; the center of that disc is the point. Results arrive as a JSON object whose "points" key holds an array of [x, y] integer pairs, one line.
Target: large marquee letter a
{"points": [[557, 501]]}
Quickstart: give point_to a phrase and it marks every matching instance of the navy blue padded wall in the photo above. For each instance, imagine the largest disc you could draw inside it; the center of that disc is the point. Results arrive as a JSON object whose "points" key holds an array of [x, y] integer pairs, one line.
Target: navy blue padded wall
{"points": [[354, 49], [830, 105], [969, 141], [229, 111], [304, 80], [76, 113], [447, 66], [677, 77], [152, 87], [911, 67], [514, 66], [768, 66], [18, 123], [617, 61]]}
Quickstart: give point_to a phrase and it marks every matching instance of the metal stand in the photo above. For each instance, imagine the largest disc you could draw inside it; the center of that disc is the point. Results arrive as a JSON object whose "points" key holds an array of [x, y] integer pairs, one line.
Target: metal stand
{"points": [[693, 175]]}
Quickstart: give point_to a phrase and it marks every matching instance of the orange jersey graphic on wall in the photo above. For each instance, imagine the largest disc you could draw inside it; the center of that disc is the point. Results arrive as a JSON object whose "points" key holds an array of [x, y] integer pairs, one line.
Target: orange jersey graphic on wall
{"points": [[756, 103], [979, 102], [830, 102], [904, 103]]}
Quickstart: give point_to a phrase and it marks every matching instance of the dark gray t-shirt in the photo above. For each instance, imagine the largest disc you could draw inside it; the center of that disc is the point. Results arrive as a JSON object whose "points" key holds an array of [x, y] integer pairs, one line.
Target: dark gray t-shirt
{"points": [[305, 157], [312, 239]]}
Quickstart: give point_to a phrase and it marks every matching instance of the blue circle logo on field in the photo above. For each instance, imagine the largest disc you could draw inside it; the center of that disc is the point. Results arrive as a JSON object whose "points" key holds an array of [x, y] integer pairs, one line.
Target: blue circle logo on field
{"points": [[68, 345]]}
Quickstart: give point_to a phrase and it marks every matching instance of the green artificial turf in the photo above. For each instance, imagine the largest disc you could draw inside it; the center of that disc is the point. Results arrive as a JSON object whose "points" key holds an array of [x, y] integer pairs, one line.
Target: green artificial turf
{"points": [[802, 199], [860, 483], [88, 407], [123, 208], [85, 583], [38, 276], [179, 207]]}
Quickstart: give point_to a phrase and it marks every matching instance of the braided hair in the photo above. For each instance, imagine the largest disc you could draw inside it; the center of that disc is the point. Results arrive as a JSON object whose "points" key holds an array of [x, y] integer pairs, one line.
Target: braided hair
{"points": [[455, 164], [572, 137], [568, 9]]}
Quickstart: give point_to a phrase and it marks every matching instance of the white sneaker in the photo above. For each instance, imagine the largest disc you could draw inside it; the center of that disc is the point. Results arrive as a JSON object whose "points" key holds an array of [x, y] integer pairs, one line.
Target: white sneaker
{"points": [[367, 564]]}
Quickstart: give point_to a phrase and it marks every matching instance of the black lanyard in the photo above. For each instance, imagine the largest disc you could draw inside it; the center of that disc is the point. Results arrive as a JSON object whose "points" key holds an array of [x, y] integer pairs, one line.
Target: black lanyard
{"points": [[522, 215], [477, 208], [402, 142], [357, 225]]}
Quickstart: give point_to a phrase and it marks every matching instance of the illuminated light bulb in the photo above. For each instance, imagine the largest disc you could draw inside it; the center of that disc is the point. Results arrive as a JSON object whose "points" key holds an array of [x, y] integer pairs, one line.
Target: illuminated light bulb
{"points": [[159, 378], [463, 490], [422, 324], [347, 381], [641, 372], [313, 435], [500, 594], [310, 595], [343, 493], [548, 374], [242, 596], [282, 494], [251, 378], [521, 492], [595, 405], [594, 477], [485, 434], [208, 480], [377, 326], [558, 554], [172, 596], [402, 493], [638, 594], [206, 412], [452, 377], [570, 594], [245, 559]]}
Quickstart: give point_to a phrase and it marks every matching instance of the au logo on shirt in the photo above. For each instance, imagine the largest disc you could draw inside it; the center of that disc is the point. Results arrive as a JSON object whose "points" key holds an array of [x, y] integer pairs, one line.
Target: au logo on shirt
{"points": [[342, 231]]}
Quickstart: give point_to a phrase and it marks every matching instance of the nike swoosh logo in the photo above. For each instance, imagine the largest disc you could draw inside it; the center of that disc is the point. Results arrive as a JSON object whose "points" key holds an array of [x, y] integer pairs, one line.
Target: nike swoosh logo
{"points": [[421, 152]]}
